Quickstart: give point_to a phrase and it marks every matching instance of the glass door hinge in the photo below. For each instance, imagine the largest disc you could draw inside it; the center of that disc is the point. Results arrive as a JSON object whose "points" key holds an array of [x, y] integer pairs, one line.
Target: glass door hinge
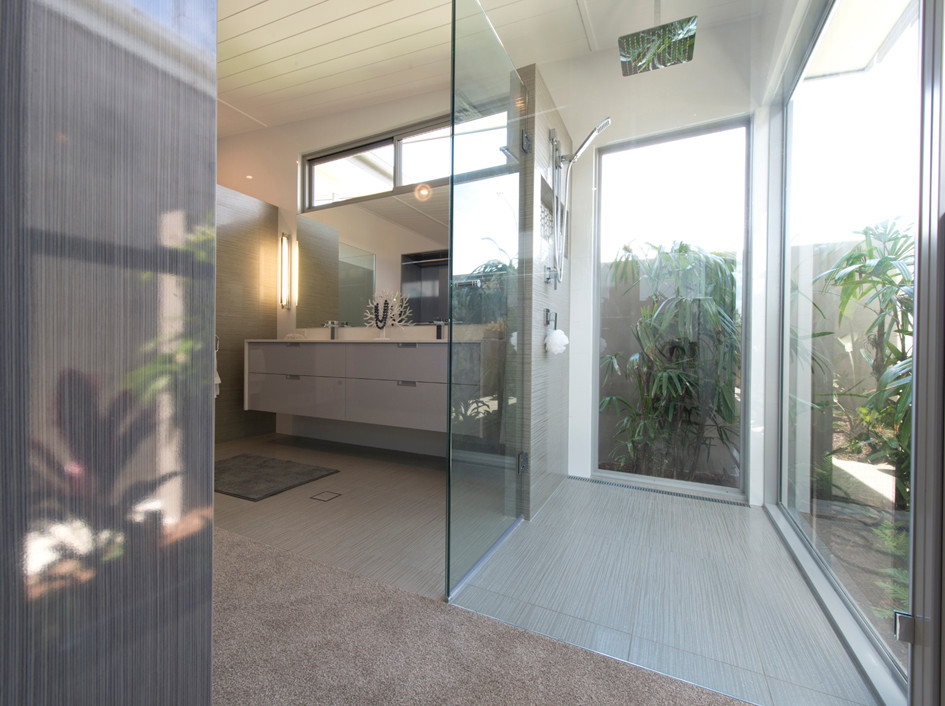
{"points": [[904, 627]]}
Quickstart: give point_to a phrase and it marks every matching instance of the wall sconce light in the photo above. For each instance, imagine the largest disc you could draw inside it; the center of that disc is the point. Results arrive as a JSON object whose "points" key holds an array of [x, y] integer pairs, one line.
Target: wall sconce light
{"points": [[295, 272], [285, 271]]}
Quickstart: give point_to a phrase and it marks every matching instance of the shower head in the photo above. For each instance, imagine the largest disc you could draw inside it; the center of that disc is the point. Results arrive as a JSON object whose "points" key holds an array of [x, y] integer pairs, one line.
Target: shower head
{"points": [[603, 125], [658, 47]]}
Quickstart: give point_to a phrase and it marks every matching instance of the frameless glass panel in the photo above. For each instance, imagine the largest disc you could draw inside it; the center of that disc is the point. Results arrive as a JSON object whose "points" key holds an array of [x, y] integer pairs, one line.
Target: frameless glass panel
{"points": [[362, 174], [853, 195], [485, 308], [672, 238], [425, 157], [481, 143]]}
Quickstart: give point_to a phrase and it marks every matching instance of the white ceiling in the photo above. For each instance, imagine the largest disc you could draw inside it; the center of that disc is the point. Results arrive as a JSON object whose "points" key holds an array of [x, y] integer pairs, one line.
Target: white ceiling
{"points": [[280, 61], [427, 218]]}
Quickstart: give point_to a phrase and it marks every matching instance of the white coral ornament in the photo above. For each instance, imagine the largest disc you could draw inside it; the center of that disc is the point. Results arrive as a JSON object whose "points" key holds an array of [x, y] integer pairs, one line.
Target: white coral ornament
{"points": [[387, 309]]}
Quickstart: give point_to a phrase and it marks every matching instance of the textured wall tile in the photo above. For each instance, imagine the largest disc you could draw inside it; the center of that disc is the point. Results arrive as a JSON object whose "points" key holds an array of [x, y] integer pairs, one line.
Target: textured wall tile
{"points": [[247, 283]]}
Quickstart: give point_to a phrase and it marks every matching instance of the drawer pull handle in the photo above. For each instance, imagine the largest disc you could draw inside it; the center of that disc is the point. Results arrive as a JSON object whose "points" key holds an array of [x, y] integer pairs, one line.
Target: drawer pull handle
{"points": [[293, 377], [406, 383], [293, 345], [406, 345]]}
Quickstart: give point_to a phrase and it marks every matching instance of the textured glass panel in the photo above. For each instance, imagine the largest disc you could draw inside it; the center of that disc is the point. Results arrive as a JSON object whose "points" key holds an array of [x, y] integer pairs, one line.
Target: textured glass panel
{"points": [[107, 337], [672, 236], [853, 170]]}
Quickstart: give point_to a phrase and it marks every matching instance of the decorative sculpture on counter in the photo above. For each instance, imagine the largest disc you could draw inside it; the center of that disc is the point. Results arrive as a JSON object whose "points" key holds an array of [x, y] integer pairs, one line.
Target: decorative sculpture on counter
{"points": [[387, 309]]}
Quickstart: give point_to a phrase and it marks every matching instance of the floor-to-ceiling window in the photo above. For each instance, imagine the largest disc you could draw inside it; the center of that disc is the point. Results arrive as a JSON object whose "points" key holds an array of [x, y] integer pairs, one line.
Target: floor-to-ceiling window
{"points": [[852, 179], [673, 222]]}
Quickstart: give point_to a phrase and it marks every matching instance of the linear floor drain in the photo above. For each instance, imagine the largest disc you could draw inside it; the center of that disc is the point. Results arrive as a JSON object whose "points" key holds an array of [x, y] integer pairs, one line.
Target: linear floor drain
{"points": [[325, 496], [660, 491]]}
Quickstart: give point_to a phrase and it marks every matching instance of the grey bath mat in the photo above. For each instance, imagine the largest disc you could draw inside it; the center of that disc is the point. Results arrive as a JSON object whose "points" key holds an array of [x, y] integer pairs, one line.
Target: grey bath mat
{"points": [[256, 477]]}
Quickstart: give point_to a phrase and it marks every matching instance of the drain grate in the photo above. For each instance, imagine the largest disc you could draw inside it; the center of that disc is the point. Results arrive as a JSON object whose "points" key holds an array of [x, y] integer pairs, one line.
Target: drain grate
{"points": [[614, 484], [325, 496]]}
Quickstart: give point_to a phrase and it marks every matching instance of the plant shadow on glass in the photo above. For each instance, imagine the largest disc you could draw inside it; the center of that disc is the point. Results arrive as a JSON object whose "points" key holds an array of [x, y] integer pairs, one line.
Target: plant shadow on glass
{"points": [[676, 390]]}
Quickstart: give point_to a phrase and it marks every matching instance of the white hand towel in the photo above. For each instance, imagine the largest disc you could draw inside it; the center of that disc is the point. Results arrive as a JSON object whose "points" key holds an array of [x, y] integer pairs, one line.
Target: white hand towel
{"points": [[556, 341]]}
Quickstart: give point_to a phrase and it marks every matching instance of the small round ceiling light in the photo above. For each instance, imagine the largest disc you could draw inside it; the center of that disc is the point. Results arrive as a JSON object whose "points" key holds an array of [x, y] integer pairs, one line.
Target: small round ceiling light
{"points": [[423, 192]]}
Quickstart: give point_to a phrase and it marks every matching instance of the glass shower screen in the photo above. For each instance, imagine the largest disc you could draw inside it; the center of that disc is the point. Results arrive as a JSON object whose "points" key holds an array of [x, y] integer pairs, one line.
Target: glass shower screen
{"points": [[485, 287]]}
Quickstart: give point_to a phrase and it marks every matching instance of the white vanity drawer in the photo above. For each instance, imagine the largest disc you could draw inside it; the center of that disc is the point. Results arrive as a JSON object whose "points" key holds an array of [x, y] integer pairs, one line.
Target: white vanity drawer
{"points": [[421, 362], [297, 394], [296, 358], [397, 403]]}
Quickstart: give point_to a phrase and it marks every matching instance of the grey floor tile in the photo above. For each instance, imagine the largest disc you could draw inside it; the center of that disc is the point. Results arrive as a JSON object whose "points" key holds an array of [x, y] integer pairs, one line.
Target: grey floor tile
{"points": [[389, 522], [785, 694], [718, 676], [613, 643], [710, 583]]}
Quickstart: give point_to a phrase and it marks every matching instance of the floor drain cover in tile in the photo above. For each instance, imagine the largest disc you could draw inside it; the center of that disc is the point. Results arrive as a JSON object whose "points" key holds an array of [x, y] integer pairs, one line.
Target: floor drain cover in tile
{"points": [[325, 496]]}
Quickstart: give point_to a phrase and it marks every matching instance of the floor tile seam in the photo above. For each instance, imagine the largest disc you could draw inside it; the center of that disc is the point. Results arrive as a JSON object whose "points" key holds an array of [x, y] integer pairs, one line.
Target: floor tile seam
{"points": [[661, 491], [557, 613], [816, 691], [727, 663], [740, 668], [833, 694]]}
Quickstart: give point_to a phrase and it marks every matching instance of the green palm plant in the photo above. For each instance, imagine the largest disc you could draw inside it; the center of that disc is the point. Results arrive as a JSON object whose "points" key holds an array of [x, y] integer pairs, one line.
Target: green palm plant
{"points": [[683, 376], [877, 274]]}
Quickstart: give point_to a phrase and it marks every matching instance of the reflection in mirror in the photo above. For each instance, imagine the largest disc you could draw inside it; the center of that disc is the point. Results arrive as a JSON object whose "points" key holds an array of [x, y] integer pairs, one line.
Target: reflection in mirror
{"points": [[317, 273], [355, 282]]}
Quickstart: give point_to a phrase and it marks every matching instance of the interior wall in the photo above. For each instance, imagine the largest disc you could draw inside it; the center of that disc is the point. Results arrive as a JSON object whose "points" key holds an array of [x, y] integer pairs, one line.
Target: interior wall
{"points": [[546, 374], [246, 292]]}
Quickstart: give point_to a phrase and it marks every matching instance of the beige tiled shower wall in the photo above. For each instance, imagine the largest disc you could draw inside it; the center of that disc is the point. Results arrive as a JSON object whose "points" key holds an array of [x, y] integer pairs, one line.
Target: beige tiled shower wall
{"points": [[546, 375]]}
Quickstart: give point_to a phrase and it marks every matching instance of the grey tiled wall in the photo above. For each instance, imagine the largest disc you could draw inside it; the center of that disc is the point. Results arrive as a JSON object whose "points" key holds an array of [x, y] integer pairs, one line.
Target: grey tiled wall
{"points": [[247, 280]]}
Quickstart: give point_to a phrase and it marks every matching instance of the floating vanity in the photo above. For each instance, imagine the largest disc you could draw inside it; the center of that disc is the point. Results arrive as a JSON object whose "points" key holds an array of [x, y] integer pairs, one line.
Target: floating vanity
{"points": [[390, 383]]}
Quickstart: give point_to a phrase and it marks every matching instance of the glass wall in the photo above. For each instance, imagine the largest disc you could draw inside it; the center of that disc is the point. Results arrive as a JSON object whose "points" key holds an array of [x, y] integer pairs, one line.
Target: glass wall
{"points": [[852, 207], [672, 234], [485, 299]]}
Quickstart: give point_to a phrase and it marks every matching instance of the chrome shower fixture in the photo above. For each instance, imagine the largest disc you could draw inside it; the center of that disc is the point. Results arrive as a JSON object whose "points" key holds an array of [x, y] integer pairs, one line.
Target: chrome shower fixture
{"points": [[561, 186], [603, 125], [658, 47]]}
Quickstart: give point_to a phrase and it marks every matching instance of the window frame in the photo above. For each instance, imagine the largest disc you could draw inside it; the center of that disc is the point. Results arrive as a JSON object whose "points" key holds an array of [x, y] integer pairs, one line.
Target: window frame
{"points": [[308, 161], [744, 121], [885, 675]]}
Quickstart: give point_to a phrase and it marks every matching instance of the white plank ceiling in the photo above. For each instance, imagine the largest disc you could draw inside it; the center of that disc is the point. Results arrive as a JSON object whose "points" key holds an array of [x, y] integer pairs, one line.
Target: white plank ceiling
{"points": [[281, 61]]}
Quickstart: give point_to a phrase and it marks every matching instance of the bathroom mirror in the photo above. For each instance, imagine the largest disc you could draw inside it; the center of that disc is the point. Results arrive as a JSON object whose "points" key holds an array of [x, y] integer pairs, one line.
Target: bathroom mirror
{"points": [[358, 249], [355, 282], [335, 279], [317, 273]]}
